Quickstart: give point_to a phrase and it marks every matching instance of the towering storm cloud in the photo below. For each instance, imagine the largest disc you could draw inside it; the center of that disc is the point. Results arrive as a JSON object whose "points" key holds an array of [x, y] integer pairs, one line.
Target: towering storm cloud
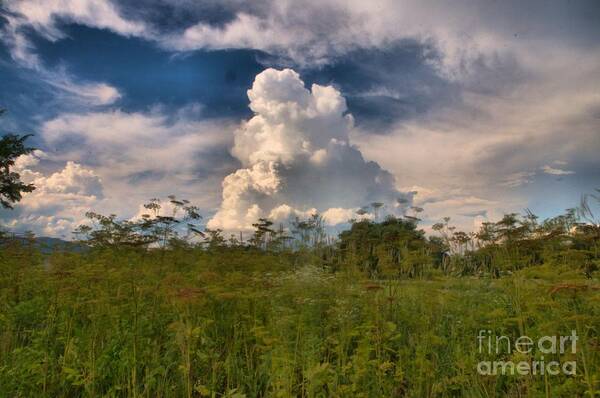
{"points": [[297, 158]]}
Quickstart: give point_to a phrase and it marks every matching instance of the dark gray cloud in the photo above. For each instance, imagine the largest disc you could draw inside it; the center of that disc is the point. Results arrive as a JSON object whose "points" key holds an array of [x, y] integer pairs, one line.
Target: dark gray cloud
{"points": [[385, 85]]}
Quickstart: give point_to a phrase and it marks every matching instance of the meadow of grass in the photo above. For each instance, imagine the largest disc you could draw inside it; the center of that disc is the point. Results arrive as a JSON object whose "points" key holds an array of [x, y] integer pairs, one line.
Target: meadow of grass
{"points": [[160, 308], [235, 322]]}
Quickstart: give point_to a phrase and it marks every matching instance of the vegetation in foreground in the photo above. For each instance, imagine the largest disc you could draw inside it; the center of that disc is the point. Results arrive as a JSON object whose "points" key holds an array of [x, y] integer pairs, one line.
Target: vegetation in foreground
{"points": [[158, 307]]}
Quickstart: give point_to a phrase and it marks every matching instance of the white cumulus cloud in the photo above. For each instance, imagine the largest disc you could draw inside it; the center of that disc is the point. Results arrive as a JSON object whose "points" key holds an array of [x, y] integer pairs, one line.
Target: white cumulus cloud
{"points": [[297, 158], [59, 202]]}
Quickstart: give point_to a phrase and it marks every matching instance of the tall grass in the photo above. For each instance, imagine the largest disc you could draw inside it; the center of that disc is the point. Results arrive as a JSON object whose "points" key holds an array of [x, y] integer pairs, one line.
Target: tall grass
{"points": [[238, 322]]}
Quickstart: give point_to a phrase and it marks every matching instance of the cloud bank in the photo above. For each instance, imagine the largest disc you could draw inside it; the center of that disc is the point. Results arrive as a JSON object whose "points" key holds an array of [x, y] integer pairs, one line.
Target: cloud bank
{"points": [[113, 161]]}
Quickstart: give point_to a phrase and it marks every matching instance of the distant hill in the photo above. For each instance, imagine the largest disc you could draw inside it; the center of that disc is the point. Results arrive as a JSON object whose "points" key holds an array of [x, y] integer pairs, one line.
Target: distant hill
{"points": [[47, 244]]}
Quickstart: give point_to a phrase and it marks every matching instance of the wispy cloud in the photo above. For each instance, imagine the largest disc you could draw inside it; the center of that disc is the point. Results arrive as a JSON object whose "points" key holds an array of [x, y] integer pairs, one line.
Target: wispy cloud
{"points": [[557, 172], [85, 93], [518, 179], [43, 17]]}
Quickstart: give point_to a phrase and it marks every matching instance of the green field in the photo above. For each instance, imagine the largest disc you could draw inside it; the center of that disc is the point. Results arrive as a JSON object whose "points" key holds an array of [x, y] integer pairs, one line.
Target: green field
{"points": [[337, 319]]}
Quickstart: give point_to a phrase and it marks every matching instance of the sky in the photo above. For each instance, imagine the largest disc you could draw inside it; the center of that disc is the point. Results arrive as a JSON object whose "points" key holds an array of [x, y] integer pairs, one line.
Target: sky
{"points": [[280, 109]]}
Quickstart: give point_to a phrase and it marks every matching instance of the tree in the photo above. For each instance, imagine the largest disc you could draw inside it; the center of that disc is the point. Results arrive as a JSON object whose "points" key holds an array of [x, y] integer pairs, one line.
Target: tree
{"points": [[376, 206], [11, 187], [262, 232], [394, 247], [164, 231], [585, 210], [311, 231]]}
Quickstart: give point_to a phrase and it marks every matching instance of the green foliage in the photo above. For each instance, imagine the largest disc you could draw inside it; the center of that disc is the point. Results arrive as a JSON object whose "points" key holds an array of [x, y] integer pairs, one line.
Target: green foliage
{"points": [[11, 187], [152, 228], [392, 248], [517, 242]]}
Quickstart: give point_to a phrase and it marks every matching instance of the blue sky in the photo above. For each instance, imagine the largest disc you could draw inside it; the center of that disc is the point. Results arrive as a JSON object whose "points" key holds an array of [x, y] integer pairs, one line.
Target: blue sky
{"points": [[280, 109]]}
